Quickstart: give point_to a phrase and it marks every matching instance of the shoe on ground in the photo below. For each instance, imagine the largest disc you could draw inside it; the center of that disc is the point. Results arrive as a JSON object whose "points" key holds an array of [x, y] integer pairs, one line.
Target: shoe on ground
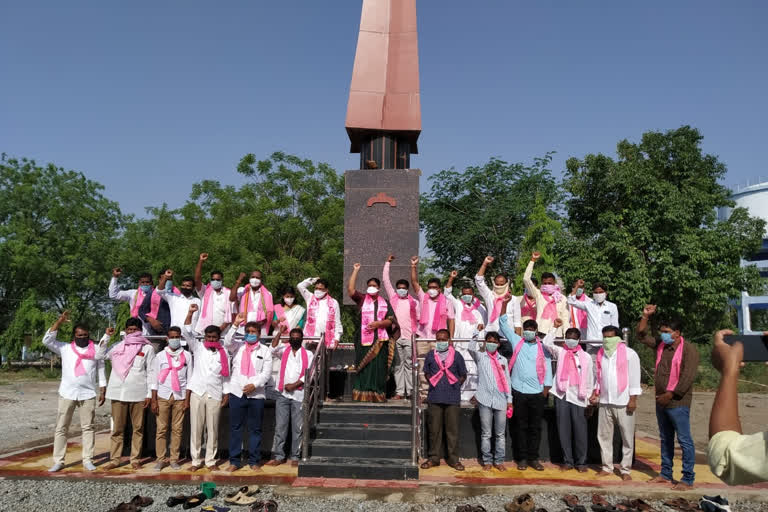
{"points": [[232, 468], [486, 467], [110, 465], [56, 468], [500, 467], [88, 466], [537, 465], [135, 465], [581, 469], [176, 500], [566, 467], [626, 477], [522, 466], [194, 468], [175, 466], [160, 465], [255, 467]]}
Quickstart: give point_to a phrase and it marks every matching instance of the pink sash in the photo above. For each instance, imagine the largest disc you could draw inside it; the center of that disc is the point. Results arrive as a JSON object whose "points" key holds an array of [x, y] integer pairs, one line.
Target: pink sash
{"points": [[579, 316], [173, 370], [366, 317], [498, 373], [443, 367], [280, 313], [90, 353], [529, 308], [330, 323], [468, 312], [550, 308], [541, 369], [284, 363], [265, 310], [496, 313], [568, 374], [677, 360], [621, 367], [139, 299], [123, 355], [222, 356], [207, 314], [439, 318], [246, 364]]}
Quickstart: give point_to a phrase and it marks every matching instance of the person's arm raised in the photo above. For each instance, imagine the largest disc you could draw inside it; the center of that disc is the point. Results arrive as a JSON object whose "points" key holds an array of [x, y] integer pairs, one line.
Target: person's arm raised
{"points": [[386, 280], [199, 271], [233, 290], [643, 336], [727, 359], [353, 279], [415, 275]]}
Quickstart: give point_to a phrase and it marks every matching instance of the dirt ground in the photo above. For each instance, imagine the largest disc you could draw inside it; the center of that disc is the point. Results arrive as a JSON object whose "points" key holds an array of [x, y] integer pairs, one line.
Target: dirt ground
{"points": [[28, 414]]}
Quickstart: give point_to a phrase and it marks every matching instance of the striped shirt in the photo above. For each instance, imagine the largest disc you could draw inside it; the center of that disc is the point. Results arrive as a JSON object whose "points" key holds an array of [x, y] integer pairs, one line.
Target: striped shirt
{"points": [[488, 392]]}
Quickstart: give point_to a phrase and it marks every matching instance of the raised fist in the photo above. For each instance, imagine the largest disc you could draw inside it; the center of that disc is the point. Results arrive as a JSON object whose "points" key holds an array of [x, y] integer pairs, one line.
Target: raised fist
{"points": [[414, 260], [116, 272], [240, 318], [169, 274], [356, 266], [580, 283], [454, 274], [390, 258], [64, 317], [283, 328], [110, 331], [488, 260], [241, 277], [557, 323], [203, 256], [536, 255], [649, 310], [193, 308]]}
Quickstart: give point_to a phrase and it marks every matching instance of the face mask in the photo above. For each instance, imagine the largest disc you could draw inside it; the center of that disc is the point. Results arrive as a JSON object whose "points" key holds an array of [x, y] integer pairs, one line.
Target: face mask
{"points": [[571, 343], [467, 298], [441, 346], [146, 288], [169, 285], [501, 290], [433, 293], [549, 289], [289, 300], [296, 343], [599, 297], [402, 292], [186, 292], [610, 344], [216, 285], [251, 338], [81, 342], [319, 294], [666, 337], [529, 335], [579, 292], [174, 343], [372, 290], [255, 281], [491, 347]]}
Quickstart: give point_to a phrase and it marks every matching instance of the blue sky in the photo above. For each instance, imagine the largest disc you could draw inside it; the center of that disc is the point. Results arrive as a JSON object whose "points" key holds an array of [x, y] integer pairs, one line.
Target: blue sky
{"points": [[150, 97]]}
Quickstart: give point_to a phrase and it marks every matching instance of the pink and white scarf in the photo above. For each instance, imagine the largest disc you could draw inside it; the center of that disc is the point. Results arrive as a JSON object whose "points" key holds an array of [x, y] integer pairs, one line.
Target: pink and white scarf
{"points": [[568, 374], [622, 372], [125, 352], [330, 324], [284, 363], [443, 367], [677, 361], [173, 370], [367, 316], [541, 369], [90, 353]]}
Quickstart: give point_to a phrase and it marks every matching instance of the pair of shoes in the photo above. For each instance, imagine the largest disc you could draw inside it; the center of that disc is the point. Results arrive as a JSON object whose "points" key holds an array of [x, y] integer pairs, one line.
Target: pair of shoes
{"points": [[135, 505], [714, 504], [566, 467], [275, 462], [458, 466], [56, 468], [682, 504], [111, 465], [193, 501], [537, 465], [523, 503], [264, 506], [88, 466], [243, 496], [160, 465]]}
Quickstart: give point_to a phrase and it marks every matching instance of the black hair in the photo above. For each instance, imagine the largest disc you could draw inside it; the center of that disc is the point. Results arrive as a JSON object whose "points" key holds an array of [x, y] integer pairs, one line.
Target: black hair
{"points": [[187, 279], [467, 287], [446, 331], [547, 275], [213, 273], [403, 281], [174, 328], [133, 322], [323, 281], [500, 275], [530, 325], [213, 329], [673, 323], [297, 330], [611, 328], [254, 325], [375, 280], [145, 275], [434, 280], [492, 334], [289, 289], [573, 330], [599, 285]]}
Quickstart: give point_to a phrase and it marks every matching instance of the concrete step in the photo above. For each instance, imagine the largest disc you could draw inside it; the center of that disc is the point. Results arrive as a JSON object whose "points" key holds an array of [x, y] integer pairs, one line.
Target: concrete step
{"points": [[350, 467], [366, 415], [363, 431], [369, 450]]}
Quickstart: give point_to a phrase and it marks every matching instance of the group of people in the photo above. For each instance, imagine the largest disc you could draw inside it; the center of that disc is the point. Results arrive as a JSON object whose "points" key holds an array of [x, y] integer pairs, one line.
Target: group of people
{"points": [[490, 347]]}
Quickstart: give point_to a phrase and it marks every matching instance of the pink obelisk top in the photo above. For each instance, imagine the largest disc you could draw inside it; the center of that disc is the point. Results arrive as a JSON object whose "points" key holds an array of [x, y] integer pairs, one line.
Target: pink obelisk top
{"points": [[384, 93]]}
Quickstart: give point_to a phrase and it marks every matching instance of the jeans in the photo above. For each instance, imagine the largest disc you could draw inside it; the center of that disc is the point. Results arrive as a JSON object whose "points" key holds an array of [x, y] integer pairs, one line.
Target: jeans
{"points": [[496, 418], [671, 421], [288, 420], [244, 411]]}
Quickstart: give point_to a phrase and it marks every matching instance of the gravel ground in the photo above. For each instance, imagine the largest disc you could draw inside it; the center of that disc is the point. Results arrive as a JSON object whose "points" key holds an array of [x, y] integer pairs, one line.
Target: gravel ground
{"points": [[48, 495]]}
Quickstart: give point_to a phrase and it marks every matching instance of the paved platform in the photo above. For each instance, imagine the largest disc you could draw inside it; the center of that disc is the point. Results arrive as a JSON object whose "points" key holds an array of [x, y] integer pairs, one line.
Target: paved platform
{"points": [[35, 462]]}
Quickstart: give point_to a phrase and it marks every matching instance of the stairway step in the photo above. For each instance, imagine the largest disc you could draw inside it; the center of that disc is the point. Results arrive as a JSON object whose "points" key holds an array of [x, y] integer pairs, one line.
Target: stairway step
{"points": [[372, 451], [363, 431], [368, 415], [349, 467]]}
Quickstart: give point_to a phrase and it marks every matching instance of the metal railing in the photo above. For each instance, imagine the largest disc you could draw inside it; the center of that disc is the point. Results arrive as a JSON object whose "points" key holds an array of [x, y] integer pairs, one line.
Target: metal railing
{"points": [[314, 393]]}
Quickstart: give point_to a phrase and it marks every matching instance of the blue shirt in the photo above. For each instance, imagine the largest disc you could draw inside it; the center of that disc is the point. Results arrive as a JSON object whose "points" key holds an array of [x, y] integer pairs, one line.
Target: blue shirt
{"points": [[524, 377], [488, 393], [444, 392]]}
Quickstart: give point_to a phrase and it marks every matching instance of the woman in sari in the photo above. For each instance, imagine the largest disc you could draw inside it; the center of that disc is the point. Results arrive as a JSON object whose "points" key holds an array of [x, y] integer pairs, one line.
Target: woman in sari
{"points": [[374, 349]]}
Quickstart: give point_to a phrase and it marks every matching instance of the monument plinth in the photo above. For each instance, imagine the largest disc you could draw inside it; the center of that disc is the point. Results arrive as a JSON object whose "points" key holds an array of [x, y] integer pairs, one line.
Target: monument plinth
{"points": [[381, 212]]}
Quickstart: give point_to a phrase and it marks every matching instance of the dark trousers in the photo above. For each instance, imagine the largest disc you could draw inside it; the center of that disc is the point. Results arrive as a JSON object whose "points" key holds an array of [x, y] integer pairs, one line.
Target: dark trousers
{"points": [[572, 430], [245, 412], [443, 418], [676, 420], [529, 409]]}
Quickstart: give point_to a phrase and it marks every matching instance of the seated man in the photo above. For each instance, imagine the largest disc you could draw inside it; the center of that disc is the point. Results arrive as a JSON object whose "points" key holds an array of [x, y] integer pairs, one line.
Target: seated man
{"points": [[445, 371]]}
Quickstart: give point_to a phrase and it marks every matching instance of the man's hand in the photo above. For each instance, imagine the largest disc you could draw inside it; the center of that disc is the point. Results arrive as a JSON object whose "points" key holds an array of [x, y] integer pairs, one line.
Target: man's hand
{"points": [[594, 399], [289, 387], [545, 392], [193, 308], [203, 256], [147, 402], [535, 256], [356, 267], [488, 260], [155, 323], [727, 359], [240, 318], [110, 331], [169, 274], [390, 258], [414, 261], [480, 327], [632, 405], [154, 407], [240, 277], [664, 398], [649, 310], [578, 284], [248, 389], [186, 404], [454, 274], [283, 329], [225, 400], [373, 325], [102, 396], [557, 323], [507, 299], [64, 317], [117, 272]]}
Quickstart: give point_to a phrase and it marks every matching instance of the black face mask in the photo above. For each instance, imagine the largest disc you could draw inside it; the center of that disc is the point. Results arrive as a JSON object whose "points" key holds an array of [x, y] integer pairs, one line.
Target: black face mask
{"points": [[82, 342], [186, 292], [296, 343]]}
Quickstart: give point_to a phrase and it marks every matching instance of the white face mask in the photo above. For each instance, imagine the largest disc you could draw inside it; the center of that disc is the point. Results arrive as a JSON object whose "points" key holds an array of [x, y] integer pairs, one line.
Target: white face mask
{"points": [[402, 292], [216, 285], [319, 294], [599, 297], [372, 290], [289, 300], [255, 281], [433, 293], [174, 343], [571, 343]]}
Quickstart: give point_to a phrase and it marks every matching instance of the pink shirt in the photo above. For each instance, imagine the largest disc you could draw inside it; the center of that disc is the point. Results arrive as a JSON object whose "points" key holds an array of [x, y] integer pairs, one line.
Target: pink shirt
{"points": [[426, 330], [402, 308]]}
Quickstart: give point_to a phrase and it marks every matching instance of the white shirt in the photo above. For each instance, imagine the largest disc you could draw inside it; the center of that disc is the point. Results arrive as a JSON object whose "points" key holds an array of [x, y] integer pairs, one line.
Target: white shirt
{"points": [[137, 385], [165, 389], [292, 369], [598, 316], [322, 311], [462, 328], [206, 371], [129, 296], [512, 312], [71, 387], [563, 312], [179, 306], [609, 384], [261, 359], [572, 392], [255, 299]]}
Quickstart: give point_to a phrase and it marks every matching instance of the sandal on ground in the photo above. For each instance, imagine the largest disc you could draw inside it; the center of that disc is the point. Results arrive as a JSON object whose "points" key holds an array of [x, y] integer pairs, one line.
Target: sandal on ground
{"points": [[603, 508], [194, 501], [141, 501], [599, 500], [176, 500], [523, 503], [125, 507], [458, 466], [428, 464], [537, 465], [571, 500]]}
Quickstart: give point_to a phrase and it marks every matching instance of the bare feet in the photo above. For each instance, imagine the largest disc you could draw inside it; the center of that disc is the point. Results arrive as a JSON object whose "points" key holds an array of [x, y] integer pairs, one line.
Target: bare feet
{"points": [[275, 462], [487, 467], [500, 467]]}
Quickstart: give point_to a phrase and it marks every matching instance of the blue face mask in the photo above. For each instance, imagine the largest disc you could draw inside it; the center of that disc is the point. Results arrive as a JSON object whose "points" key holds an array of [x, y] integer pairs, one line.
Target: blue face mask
{"points": [[169, 285], [491, 347], [666, 337], [146, 288], [441, 346], [251, 338], [467, 298], [529, 335]]}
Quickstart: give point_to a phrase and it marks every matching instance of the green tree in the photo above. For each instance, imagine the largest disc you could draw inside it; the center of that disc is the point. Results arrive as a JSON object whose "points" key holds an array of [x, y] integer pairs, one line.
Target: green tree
{"points": [[483, 210], [543, 230], [645, 223]]}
